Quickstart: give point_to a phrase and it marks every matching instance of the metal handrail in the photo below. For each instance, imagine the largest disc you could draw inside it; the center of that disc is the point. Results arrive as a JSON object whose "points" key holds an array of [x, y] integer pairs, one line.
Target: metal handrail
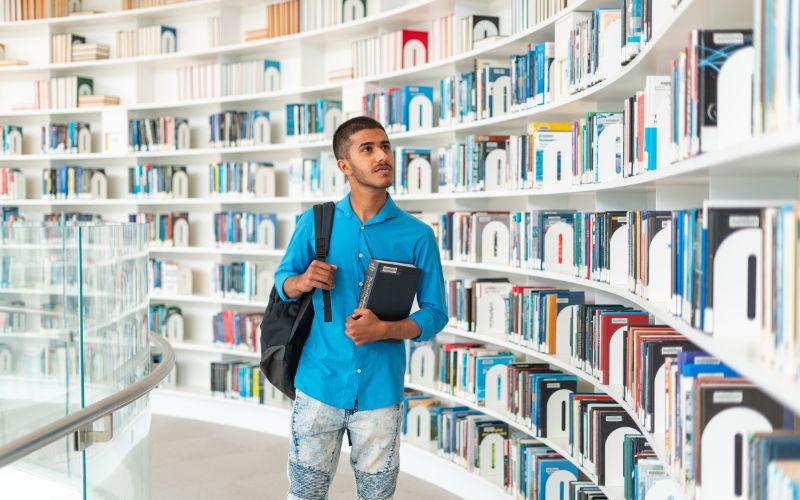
{"points": [[25, 445]]}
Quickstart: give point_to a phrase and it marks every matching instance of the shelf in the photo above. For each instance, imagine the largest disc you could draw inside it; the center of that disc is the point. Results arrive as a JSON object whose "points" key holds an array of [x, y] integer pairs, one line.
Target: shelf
{"points": [[243, 251], [560, 446], [744, 357], [171, 153], [193, 7], [199, 405], [389, 20], [155, 202], [204, 299], [213, 349]]}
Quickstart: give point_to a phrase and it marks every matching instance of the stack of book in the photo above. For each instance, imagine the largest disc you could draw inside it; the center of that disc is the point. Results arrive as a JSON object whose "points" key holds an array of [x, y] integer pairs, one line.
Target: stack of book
{"points": [[141, 4], [237, 330], [72, 137], [236, 280], [89, 52], [146, 41], [166, 277], [159, 316], [239, 128], [156, 181], [245, 382], [12, 184], [283, 18], [475, 29], [203, 81], [61, 92], [526, 14], [71, 182], [776, 103], [401, 109], [245, 229], [61, 46], [317, 14], [392, 51], [441, 38], [25, 10], [11, 140], [161, 228], [241, 179], [320, 176], [91, 101], [312, 121], [158, 134]]}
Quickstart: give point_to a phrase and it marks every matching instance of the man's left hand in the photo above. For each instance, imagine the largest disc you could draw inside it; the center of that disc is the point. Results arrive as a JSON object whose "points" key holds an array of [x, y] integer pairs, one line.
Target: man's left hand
{"points": [[367, 328]]}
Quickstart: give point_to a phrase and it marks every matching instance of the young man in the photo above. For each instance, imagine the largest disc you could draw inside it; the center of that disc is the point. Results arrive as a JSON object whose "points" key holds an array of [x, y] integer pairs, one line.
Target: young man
{"points": [[347, 379]]}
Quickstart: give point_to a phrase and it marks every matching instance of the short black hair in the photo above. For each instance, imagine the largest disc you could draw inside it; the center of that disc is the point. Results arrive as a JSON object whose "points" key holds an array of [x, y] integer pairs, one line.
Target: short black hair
{"points": [[341, 138]]}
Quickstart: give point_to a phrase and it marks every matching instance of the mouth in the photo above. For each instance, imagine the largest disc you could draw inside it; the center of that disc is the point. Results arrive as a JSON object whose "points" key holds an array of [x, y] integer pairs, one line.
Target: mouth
{"points": [[385, 169]]}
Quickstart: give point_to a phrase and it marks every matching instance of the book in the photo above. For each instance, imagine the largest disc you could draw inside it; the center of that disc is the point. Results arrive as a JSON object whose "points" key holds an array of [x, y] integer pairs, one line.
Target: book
{"points": [[389, 289]]}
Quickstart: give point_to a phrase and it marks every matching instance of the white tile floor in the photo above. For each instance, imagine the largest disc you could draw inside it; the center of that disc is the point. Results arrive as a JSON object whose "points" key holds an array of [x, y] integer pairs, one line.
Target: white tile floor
{"points": [[201, 461]]}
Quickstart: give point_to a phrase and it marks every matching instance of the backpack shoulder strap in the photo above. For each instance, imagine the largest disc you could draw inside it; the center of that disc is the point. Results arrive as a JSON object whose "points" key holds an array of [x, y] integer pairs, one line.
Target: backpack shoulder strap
{"points": [[323, 225]]}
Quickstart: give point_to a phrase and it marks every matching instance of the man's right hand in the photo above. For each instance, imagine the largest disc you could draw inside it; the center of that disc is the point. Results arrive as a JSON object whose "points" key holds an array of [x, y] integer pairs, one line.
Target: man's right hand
{"points": [[318, 275]]}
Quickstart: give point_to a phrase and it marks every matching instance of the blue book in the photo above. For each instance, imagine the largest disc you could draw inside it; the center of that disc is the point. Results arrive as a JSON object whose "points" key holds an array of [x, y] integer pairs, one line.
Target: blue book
{"points": [[482, 366], [416, 100], [558, 472]]}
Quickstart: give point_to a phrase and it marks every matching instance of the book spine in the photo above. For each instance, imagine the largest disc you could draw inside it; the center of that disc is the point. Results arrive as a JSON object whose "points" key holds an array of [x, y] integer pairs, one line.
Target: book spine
{"points": [[369, 281]]}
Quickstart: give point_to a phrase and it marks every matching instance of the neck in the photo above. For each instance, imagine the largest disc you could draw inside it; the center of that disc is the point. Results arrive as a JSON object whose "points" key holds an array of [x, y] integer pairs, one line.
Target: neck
{"points": [[366, 202]]}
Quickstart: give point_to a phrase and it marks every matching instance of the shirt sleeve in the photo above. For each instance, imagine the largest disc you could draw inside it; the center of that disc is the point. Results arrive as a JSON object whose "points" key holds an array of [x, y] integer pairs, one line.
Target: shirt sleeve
{"points": [[299, 253], [432, 315]]}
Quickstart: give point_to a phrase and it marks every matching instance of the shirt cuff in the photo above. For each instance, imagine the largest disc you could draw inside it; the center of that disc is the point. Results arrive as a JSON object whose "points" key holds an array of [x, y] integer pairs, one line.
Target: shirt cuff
{"points": [[425, 324], [280, 279]]}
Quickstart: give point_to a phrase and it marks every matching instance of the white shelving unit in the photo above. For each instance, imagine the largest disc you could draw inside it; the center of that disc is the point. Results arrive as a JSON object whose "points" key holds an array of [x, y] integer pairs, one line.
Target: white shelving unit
{"points": [[761, 168]]}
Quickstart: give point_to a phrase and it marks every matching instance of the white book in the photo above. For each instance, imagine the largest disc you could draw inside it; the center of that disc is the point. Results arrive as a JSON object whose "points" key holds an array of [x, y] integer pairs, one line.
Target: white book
{"points": [[657, 115]]}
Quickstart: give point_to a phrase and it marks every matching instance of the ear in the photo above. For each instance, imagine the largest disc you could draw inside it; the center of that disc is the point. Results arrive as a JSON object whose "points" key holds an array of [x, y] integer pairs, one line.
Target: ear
{"points": [[344, 167]]}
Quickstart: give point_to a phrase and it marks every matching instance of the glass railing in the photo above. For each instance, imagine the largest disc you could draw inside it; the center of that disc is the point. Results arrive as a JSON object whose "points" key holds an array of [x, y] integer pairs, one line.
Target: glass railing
{"points": [[73, 332]]}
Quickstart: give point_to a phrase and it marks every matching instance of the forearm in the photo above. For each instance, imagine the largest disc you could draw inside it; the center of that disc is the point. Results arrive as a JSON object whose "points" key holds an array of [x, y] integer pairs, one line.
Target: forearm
{"points": [[403, 329]]}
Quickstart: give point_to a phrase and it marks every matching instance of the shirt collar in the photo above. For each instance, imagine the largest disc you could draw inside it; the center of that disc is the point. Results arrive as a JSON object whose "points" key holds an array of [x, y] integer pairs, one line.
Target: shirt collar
{"points": [[388, 211]]}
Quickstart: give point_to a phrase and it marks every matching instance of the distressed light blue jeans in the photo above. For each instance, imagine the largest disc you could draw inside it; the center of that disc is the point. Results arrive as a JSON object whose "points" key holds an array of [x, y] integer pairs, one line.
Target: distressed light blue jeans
{"points": [[316, 440]]}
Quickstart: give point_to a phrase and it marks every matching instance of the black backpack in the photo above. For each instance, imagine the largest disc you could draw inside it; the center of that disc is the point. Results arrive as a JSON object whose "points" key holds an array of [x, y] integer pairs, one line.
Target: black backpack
{"points": [[286, 325]]}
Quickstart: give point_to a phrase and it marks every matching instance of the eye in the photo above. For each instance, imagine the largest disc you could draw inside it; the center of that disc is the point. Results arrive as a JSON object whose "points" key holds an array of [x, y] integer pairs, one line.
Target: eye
{"points": [[387, 147], [366, 149]]}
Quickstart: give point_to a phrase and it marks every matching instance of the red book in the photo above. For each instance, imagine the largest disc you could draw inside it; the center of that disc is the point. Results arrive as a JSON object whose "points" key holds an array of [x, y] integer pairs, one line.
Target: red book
{"points": [[414, 48], [610, 323]]}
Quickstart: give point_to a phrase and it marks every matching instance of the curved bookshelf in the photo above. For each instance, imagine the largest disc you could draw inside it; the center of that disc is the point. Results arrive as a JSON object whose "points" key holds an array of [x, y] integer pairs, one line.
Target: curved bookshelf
{"points": [[160, 298], [391, 18], [86, 19], [558, 445], [230, 250], [213, 349], [739, 355], [565, 364], [199, 405]]}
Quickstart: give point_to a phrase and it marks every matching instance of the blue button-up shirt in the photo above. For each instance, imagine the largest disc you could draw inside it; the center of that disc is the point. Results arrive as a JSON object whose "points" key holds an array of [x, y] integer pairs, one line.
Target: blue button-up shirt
{"points": [[332, 368]]}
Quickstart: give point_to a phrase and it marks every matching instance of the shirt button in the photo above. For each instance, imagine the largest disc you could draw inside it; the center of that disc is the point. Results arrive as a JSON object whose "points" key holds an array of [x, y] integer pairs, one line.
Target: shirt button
{"points": [[360, 283], [360, 255], [362, 228], [358, 371]]}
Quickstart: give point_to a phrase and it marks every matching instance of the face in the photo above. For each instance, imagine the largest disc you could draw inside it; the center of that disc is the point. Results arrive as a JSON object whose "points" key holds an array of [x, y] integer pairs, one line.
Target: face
{"points": [[370, 161]]}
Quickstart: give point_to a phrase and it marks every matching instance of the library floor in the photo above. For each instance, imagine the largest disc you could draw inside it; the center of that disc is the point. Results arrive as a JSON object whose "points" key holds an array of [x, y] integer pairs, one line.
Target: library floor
{"points": [[201, 461]]}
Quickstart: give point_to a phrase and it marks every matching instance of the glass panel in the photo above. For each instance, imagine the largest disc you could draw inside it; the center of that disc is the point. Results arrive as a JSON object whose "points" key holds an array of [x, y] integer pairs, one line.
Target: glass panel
{"points": [[54, 361], [116, 353], [39, 340]]}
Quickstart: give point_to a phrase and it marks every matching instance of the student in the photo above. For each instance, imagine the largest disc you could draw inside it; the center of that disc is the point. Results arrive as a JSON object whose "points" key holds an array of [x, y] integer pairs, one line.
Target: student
{"points": [[348, 381]]}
